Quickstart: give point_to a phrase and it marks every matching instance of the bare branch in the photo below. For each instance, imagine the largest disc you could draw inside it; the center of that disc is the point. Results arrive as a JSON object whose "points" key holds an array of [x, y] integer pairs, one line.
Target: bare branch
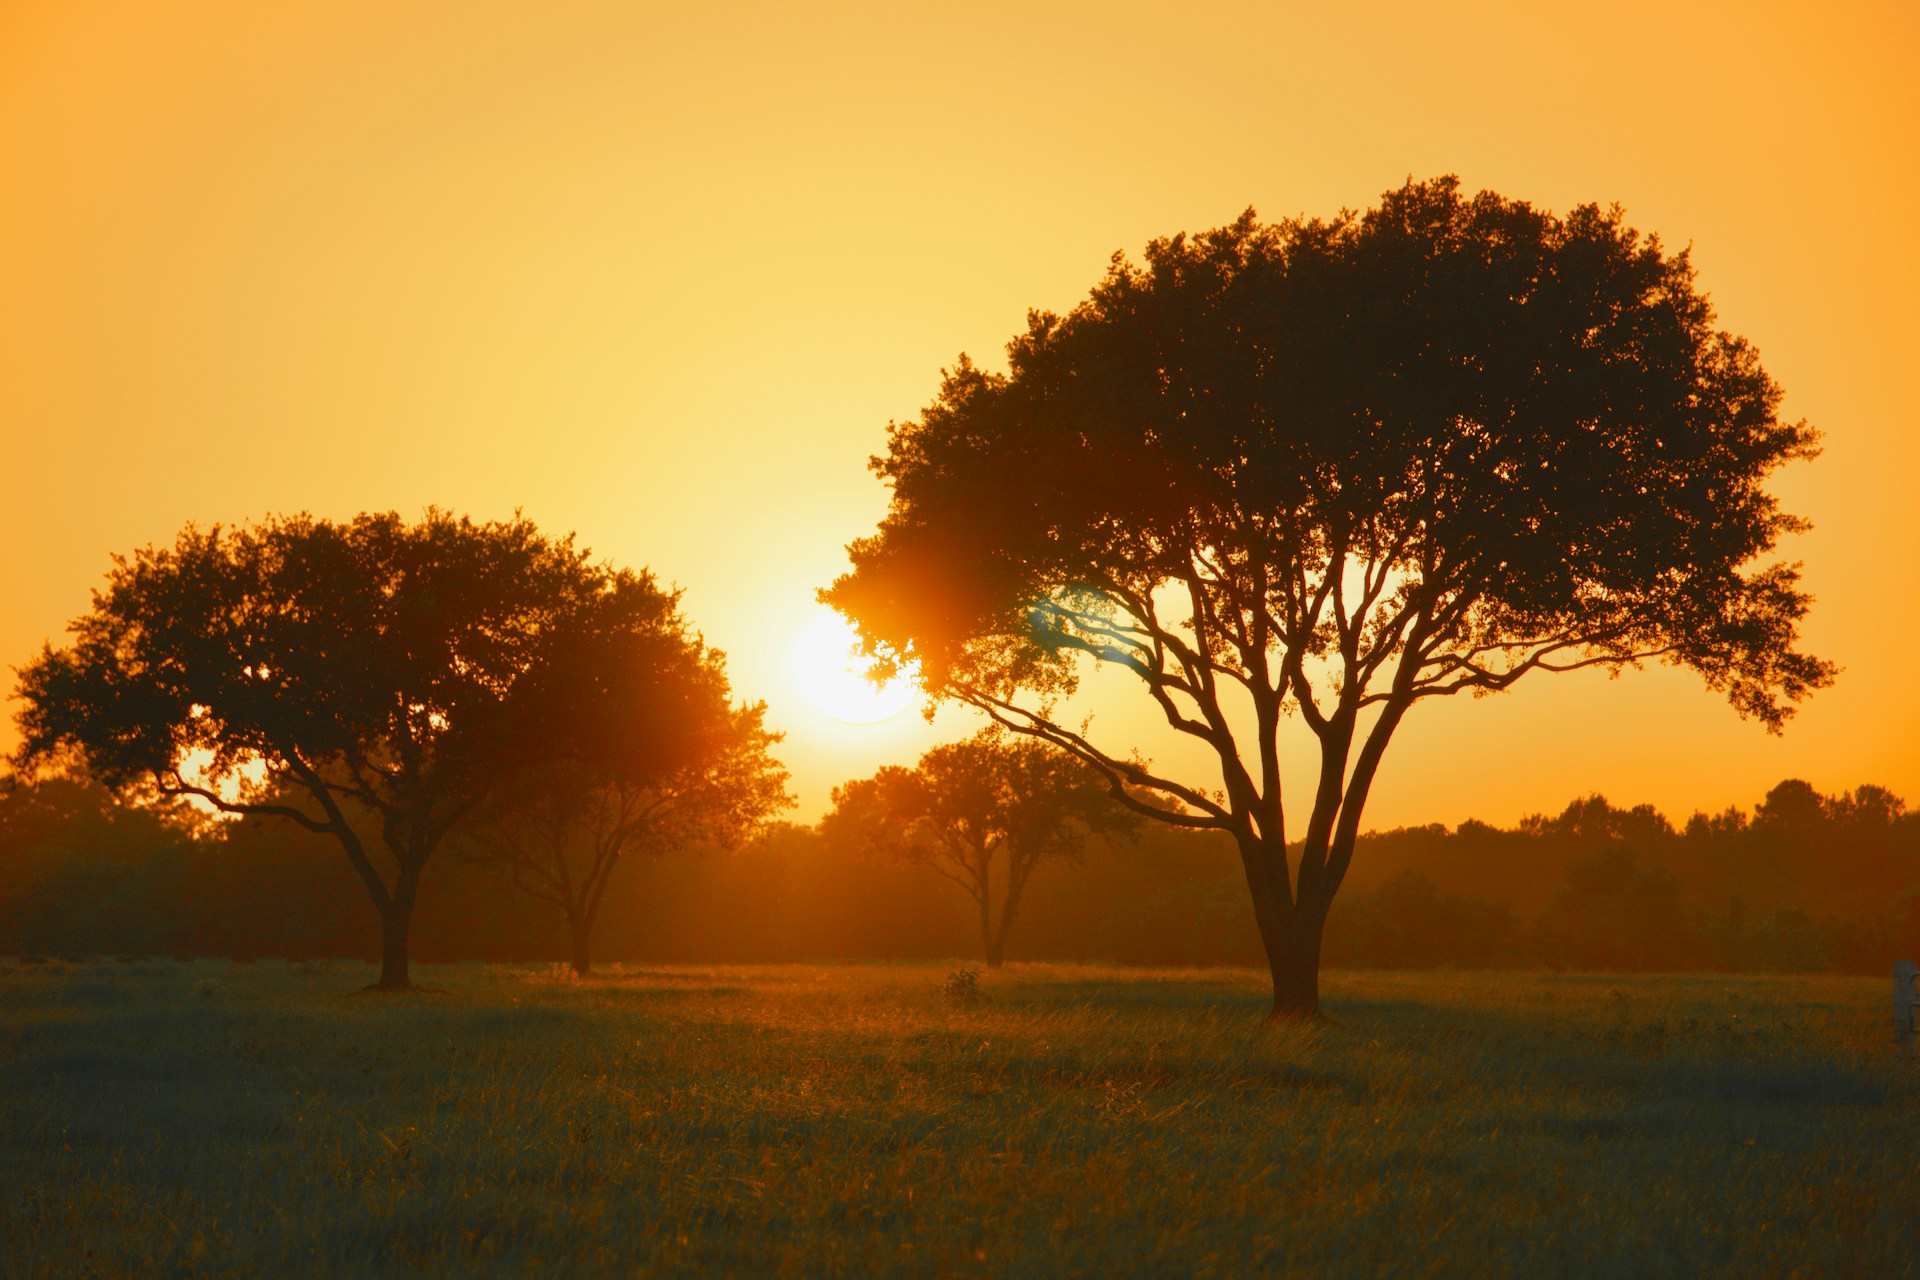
{"points": [[533, 890], [1119, 773], [1482, 678], [172, 784]]}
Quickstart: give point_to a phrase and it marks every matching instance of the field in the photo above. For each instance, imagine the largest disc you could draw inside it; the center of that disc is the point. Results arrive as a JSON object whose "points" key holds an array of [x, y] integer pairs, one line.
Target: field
{"points": [[162, 1118]]}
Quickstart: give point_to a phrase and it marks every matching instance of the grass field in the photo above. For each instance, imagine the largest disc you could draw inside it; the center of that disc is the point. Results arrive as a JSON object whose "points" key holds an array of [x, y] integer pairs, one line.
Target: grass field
{"points": [[160, 1118]]}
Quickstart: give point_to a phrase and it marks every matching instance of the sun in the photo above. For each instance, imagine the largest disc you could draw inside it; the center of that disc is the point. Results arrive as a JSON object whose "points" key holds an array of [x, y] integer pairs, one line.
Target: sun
{"points": [[831, 673]]}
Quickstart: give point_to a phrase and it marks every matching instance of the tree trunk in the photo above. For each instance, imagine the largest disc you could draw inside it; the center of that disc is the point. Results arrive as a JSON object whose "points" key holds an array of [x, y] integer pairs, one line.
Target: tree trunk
{"points": [[989, 945], [1290, 935], [577, 929], [983, 877], [1017, 874], [395, 922], [996, 951], [1295, 966]]}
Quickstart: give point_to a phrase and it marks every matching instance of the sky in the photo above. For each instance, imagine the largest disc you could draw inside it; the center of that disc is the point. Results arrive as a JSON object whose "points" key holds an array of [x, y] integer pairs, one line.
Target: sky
{"points": [[661, 276]]}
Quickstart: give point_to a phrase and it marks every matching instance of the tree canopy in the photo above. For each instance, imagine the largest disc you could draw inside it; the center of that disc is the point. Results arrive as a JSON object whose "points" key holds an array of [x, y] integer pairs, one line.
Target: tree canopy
{"points": [[1325, 469], [368, 675], [634, 744], [969, 807]]}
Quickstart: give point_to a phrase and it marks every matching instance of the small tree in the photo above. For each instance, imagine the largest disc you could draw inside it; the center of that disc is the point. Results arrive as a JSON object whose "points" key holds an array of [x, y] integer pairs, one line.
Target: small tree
{"points": [[349, 678], [1320, 471], [965, 804], [633, 745]]}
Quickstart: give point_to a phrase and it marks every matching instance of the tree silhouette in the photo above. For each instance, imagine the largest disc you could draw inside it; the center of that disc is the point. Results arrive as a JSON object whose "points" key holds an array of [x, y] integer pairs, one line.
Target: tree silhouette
{"points": [[632, 744], [344, 677], [1326, 469], [1616, 912], [965, 805]]}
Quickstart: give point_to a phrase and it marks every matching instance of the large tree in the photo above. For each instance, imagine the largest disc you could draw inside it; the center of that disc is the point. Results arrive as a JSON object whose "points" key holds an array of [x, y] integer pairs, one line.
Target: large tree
{"points": [[357, 679], [1323, 470], [634, 745], [970, 806]]}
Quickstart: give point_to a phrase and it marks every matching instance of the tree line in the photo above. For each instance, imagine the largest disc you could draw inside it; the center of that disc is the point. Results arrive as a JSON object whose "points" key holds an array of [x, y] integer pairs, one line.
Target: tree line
{"points": [[1801, 882]]}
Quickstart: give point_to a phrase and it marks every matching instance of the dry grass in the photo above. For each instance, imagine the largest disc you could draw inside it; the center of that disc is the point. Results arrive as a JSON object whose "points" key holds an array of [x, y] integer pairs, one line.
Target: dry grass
{"points": [[206, 1119]]}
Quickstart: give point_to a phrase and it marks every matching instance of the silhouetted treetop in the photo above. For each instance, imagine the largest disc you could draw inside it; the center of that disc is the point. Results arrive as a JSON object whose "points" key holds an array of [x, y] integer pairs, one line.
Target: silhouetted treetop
{"points": [[1328, 468], [1591, 818], [972, 806], [1522, 432], [630, 742], [371, 674]]}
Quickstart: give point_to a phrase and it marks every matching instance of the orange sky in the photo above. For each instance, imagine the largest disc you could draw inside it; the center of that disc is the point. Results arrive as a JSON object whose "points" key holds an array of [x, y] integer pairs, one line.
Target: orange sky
{"points": [[661, 275]]}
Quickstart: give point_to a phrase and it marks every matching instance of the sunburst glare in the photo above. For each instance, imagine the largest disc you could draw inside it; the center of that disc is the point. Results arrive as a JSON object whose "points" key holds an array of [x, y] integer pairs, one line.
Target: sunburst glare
{"points": [[832, 674]]}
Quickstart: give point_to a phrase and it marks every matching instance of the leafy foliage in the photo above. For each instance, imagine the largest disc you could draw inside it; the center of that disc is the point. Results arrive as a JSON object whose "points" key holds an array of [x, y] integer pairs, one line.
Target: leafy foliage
{"points": [[340, 676], [965, 804], [635, 745], [1327, 469]]}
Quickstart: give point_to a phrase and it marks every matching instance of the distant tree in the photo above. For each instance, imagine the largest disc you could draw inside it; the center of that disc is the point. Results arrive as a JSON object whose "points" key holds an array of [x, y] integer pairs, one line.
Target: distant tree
{"points": [[1730, 821], [1592, 820], [965, 805], [1804, 850], [78, 868], [338, 676], [1408, 923], [633, 745], [1616, 913], [1793, 805], [1869, 806], [1324, 470], [74, 812]]}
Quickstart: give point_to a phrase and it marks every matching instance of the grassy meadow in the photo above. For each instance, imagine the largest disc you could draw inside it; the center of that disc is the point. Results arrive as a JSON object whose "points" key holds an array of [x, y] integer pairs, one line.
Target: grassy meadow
{"points": [[206, 1118]]}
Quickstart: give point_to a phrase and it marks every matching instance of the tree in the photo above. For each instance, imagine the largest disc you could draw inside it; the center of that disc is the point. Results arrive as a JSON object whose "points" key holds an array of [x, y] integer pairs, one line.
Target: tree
{"points": [[82, 873], [1614, 912], [1794, 806], [342, 677], [637, 746], [966, 802], [1325, 470], [1592, 821]]}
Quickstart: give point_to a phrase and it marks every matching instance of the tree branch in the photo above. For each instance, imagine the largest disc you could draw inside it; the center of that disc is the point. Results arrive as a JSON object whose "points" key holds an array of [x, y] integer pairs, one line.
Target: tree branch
{"points": [[179, 787], [1119, 773]]}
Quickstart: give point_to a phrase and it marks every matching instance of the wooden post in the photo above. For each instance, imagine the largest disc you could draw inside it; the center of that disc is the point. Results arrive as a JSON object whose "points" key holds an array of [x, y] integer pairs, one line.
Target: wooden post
{"points": [[1906, 1006]]}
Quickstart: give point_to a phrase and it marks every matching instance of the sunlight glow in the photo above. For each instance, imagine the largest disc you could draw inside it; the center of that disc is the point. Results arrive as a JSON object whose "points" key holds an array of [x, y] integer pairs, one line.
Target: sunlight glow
{"points": [[829, 670]]}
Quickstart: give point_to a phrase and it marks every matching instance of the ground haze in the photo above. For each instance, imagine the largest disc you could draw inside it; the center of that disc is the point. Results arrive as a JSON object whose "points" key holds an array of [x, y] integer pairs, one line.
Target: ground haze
{"points": [[212, 1119]]}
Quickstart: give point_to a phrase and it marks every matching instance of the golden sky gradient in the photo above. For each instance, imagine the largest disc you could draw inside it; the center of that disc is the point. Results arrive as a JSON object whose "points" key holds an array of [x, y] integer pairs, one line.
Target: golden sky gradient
{"points": [[662, 275]]}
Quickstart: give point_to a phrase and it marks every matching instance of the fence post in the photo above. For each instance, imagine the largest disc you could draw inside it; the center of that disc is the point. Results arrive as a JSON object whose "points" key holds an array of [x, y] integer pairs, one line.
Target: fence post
{"points": [[1906, 1005]]}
